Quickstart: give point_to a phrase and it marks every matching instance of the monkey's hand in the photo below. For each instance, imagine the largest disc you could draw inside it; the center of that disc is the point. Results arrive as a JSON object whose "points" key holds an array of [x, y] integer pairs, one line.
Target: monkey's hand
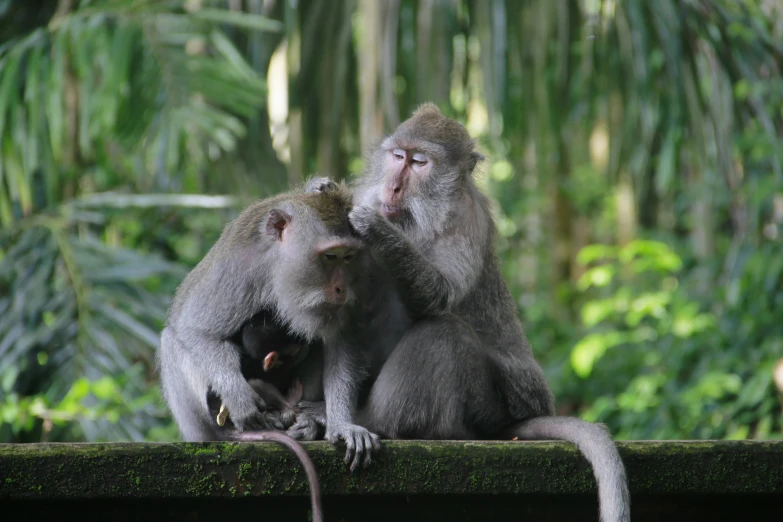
{"points": [[321, 184], [253, 418], [310, 421], [360, 443], [363, 219]]}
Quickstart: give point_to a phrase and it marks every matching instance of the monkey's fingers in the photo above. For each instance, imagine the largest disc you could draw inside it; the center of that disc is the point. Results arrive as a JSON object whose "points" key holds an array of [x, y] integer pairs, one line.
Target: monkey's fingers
{"points": [[372, 445], [350, 449], [274, 421], [363, 452], [262, 421], [376, 442], [363, 449]]}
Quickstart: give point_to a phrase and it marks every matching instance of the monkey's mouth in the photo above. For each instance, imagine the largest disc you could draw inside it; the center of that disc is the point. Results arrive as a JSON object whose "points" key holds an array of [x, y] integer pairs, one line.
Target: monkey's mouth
{"points": [[391, 211]]}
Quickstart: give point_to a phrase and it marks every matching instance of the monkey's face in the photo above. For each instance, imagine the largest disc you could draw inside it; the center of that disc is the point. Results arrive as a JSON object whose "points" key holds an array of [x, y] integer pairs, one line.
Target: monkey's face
{"points": [[411, 182], [318, 269], [420, 171]]}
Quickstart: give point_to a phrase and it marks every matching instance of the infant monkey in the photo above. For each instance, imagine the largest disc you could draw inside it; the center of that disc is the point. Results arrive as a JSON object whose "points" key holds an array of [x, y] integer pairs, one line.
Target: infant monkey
{"points": [[270, 356]]}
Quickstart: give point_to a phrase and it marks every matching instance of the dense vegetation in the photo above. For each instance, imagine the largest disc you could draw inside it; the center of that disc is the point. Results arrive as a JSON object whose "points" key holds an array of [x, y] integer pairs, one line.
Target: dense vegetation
{"points": [[634, 152]]}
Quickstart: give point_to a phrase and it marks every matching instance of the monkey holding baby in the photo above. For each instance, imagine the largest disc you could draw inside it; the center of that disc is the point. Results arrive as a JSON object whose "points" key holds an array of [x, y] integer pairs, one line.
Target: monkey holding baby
{"points": [[288, 264]]}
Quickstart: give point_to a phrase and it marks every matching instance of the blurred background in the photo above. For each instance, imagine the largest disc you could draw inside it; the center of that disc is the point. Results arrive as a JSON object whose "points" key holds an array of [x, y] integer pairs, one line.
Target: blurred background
{"points": [[634, 153]]}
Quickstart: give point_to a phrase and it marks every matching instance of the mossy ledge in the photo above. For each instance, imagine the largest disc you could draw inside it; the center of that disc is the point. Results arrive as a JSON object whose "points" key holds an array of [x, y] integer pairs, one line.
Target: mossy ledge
{"points": [[547, 471]]}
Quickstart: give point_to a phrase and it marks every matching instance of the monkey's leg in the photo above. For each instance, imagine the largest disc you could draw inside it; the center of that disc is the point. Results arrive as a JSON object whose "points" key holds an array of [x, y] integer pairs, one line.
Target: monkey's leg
{"points": [[437, 384], [311, 418], [342, 377], [294, 394]]}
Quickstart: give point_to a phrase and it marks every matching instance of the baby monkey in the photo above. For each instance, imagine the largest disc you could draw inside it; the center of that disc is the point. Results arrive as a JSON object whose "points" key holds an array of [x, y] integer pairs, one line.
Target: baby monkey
{"points": [[270, 356]]}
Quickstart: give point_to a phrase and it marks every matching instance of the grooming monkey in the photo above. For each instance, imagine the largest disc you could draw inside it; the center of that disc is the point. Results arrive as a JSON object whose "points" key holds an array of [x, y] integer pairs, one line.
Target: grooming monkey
{"points": [[440, 300], [293, 254]]}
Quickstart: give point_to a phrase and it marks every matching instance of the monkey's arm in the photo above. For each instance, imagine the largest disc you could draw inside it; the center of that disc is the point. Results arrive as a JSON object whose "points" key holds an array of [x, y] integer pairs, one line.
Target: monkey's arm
{"points": [[219, 361], [311, 411], [342, 375], [425, 289]]}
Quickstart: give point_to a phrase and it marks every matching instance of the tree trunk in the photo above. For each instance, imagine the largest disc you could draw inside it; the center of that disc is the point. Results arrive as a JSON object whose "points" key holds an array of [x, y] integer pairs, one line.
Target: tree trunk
{"points": [[369, 58]]}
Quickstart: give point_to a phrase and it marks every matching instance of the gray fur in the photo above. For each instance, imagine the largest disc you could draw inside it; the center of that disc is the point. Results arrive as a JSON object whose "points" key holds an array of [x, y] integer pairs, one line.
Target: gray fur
{"points": [[269, 259], [451, 357]]}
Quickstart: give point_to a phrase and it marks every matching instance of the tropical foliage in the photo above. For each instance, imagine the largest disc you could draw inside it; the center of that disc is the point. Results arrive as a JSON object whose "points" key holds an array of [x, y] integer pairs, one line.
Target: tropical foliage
{"points": [[634, 147]]}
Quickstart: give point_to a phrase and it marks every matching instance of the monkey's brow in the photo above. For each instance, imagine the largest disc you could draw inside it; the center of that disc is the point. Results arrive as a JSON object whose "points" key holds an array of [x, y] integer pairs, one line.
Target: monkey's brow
{"points": [[434, 150], [345, 241]]}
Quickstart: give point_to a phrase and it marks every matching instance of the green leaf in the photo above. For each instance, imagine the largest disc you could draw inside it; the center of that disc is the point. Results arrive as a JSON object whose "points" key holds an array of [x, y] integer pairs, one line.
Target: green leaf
{"points": [[592, 253], [239, 19], [105, 388], [598, 276], [590, 349]]}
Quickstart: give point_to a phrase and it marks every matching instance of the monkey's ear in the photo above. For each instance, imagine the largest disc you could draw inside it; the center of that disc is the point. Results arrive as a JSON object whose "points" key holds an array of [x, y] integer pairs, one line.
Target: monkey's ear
{"points": [[276, 222], [475, 159]]}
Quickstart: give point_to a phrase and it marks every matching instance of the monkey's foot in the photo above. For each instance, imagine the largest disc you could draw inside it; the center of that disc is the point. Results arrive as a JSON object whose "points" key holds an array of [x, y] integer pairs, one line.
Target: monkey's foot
{"points": [[288, 417], [360, 443], [310, 421], [305, 428]]}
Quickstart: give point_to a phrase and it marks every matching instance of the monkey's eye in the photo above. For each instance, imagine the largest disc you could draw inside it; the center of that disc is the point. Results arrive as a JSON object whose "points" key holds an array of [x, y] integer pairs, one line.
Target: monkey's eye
{"points": [[399, 154], [330, 256], [419, 160], [348, 257]]}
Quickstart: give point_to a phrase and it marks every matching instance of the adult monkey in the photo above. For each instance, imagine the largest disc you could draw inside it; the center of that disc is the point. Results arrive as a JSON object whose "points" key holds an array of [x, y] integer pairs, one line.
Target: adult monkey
{"points": [[294, 254], [453, 361]]}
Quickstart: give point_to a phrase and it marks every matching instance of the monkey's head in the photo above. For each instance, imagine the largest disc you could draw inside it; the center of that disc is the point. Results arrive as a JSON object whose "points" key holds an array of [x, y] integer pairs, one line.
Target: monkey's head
{"points": [[429, 159], [319, 261]]}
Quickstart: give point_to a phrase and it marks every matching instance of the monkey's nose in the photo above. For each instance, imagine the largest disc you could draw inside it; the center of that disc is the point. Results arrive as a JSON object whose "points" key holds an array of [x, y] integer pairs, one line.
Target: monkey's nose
{"points": [[337, 295]]}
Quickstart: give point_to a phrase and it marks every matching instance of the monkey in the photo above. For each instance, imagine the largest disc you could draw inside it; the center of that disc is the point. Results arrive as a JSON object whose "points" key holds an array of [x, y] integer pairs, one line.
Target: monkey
{"points": [[440, 300], [294, 254]]}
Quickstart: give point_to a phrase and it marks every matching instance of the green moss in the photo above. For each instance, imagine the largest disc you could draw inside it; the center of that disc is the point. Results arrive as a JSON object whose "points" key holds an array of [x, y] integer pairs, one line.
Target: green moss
{"points": [[244, 470], [403, 467]]}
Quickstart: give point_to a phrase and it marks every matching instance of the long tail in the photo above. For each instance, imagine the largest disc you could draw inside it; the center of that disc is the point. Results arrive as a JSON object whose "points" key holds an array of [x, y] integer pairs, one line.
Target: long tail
{"points": [[301, 454], [594, 442]]}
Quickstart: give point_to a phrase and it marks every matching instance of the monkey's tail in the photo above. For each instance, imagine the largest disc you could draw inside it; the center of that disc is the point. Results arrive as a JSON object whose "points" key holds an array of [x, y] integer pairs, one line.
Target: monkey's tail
{"points": [[596, 445], [301, 454]]}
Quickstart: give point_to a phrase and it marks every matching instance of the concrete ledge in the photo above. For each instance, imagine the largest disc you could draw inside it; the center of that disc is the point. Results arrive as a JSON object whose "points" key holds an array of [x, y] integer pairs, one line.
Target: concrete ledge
{"points": [[410, 479]]}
